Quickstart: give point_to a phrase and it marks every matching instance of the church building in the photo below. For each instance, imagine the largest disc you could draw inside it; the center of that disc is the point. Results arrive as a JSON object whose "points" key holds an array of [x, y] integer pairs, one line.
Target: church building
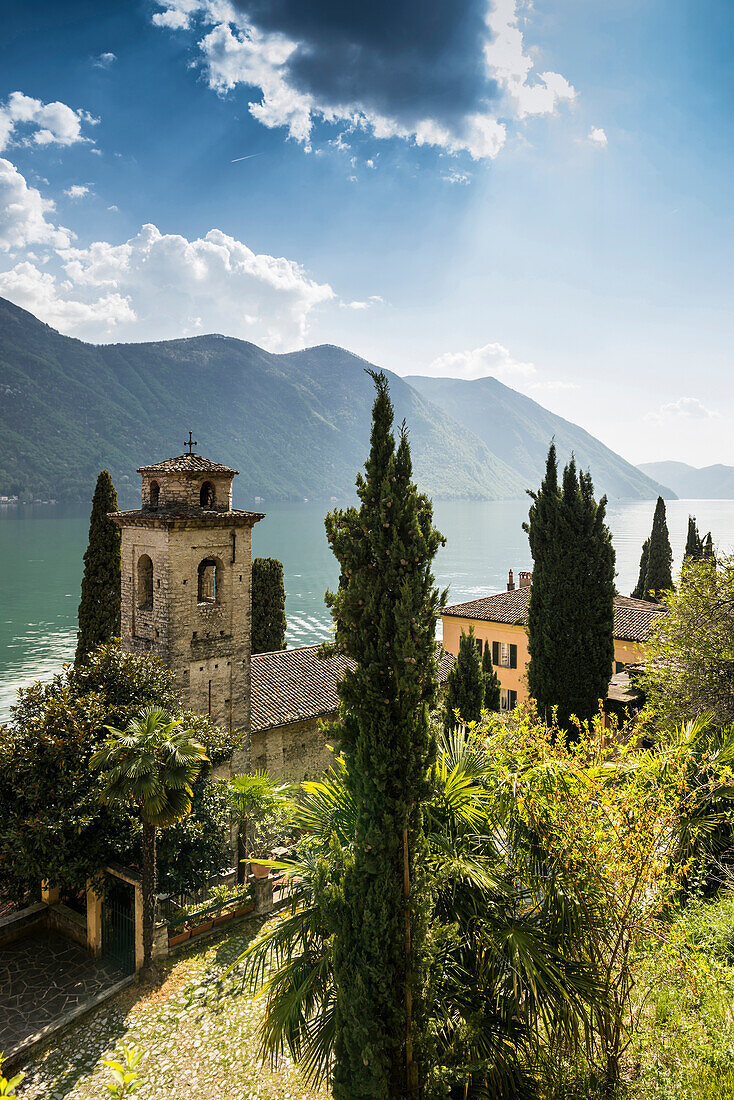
{"points": [[187, 598]]}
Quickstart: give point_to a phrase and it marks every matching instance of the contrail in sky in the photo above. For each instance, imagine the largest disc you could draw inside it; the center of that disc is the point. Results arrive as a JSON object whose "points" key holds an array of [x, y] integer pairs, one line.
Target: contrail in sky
{"points": [[248, 157]]}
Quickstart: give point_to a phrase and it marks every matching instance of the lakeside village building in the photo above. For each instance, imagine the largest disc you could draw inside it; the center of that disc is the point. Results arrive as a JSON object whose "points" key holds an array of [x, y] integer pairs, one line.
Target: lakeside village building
{"points": [[501, 620], [186, 596]]}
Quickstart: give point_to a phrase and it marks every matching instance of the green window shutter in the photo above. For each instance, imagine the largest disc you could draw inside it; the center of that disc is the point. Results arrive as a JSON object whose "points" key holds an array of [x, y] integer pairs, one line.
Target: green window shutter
{"points": [[513, 700], [513, 656], [495, 653]]}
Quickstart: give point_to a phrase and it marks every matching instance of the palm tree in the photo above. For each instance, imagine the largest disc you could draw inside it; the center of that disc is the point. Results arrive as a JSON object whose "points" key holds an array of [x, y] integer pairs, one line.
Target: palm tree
{"points": [[152, 764], [508, 949], [255, 798]]}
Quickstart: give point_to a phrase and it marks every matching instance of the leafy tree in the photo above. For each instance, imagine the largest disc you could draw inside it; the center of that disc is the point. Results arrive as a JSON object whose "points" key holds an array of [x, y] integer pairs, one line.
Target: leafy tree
{"points": [[694, 543], [690, 658], [268, 605], [571, 610], [152, 765], [52, 824], [385, 613], [492, 686], [99, 610], [465, 685], [489, 1004], [658, 567], [194, 849], [638, 593], [253, 798]]}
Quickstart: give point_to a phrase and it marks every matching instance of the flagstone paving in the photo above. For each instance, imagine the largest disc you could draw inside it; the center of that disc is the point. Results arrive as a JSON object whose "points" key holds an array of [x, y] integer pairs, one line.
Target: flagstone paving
{"points": [[41, 978], [196, 1043]]}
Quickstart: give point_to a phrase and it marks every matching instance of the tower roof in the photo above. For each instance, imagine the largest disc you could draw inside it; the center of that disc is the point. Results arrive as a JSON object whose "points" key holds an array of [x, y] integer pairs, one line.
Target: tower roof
{"points": [[187, 464]]}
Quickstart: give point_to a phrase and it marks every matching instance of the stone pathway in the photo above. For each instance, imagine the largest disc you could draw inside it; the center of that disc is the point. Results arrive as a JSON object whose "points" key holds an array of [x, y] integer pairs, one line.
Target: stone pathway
{"points": [[195, 1043], [41, 978]]}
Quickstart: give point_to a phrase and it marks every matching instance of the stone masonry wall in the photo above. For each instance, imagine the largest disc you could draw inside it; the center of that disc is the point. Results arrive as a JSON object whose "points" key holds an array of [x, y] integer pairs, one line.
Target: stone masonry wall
{"points": [[206, 644], [292, 753], [184, 490]]}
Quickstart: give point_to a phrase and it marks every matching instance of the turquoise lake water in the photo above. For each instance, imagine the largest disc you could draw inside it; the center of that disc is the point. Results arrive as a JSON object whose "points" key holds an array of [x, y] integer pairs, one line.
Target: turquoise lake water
{"points": [[41, 550]]}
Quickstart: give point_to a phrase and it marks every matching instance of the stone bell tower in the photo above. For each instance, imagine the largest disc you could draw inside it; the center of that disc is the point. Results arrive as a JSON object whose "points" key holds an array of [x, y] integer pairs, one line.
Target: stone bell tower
{"points": [[186, 583]]}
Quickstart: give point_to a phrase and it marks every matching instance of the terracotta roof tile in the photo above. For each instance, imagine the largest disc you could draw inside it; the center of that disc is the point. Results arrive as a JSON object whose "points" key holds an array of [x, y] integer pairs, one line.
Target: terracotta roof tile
{"points": [[187, 464], [633, 619], [293, 685]]}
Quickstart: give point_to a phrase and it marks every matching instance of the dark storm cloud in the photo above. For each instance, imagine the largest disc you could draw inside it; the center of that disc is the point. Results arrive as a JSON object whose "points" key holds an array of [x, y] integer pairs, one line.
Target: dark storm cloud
{"points": [[401, 58]]}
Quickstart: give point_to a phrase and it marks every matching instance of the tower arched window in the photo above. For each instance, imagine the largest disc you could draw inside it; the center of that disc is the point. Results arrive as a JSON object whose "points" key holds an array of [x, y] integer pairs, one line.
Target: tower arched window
{"points": [[209, 580], [208, 495], [155, 492], [145, 583]]}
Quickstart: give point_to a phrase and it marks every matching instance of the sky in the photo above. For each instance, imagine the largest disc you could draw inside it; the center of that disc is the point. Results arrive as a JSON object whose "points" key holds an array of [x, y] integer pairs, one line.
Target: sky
{"points": [[538, 191]]}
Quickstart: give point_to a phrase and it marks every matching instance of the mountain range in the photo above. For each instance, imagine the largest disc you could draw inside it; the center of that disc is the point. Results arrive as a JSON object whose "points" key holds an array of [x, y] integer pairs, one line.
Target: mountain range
{"points": [[692, 483], [295, 425]]}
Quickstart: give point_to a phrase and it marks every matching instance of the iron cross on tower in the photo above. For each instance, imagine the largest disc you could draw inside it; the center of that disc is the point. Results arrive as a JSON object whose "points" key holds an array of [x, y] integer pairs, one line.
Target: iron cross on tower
{"points": [[190, 443]]}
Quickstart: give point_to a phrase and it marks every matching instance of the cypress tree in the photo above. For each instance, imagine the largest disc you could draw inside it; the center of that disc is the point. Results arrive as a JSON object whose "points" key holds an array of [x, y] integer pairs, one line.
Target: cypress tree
{"points": [[491, 681], [385, 614], [638, 592], [465, 684], [268, 605], [99, 610], [659, 576], [571, 609], [707, 552], [694, 543]]}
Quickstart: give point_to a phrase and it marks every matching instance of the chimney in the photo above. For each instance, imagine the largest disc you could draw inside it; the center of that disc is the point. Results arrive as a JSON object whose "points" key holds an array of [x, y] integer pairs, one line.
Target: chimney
{"points": [[511, 583], [525, 579]]}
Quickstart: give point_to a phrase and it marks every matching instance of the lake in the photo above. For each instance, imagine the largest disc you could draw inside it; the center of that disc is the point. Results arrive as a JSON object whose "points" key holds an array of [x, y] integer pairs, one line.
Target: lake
{"points": [[41, 550]]}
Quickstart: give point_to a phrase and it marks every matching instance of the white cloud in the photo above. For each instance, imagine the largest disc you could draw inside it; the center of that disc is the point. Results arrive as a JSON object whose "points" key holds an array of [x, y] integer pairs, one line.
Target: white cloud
{"points": [[491, 359], [156, 286], [685, 408], [24, 214], [105, 60], [597, 136], [78, 191], [455, 176], [236, 53], [39, 292], [373, 300], [42, 123], [511, 65]]}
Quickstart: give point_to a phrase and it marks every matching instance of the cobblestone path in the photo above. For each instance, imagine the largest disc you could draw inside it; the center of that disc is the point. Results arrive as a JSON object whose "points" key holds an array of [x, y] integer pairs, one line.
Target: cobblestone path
{"points": [[42, 977], [195, 1043]]}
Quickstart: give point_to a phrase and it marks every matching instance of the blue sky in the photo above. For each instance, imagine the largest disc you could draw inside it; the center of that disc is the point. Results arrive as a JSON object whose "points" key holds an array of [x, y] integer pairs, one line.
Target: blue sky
{"points": [[541, 191]]}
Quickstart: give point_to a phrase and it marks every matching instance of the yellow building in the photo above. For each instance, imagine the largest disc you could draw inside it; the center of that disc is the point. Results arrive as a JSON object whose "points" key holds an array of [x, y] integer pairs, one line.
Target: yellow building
{"points": [[501, 620]]}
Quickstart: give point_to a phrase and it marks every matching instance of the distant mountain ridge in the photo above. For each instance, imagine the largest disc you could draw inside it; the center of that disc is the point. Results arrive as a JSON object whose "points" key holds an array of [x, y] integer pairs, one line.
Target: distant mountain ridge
{"points": [[295, 425], [520, 430], [691, 482]]}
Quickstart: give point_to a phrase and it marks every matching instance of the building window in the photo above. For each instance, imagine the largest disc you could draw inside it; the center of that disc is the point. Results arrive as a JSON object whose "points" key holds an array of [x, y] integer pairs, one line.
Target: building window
{"points": [[145, 583], [155, 492], [504, 654], [209, 579], [619, 666], [508, 699], [207, 496]]}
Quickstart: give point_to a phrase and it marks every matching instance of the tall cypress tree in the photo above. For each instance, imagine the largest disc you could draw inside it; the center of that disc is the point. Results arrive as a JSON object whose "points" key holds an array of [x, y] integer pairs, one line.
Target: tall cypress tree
{"points": [[492, 686], [659, 576], [99, 610], [465, 684], [694, 543], [571, 610], [707, 552], [268, 605], [385, 614], [638, 592]]}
